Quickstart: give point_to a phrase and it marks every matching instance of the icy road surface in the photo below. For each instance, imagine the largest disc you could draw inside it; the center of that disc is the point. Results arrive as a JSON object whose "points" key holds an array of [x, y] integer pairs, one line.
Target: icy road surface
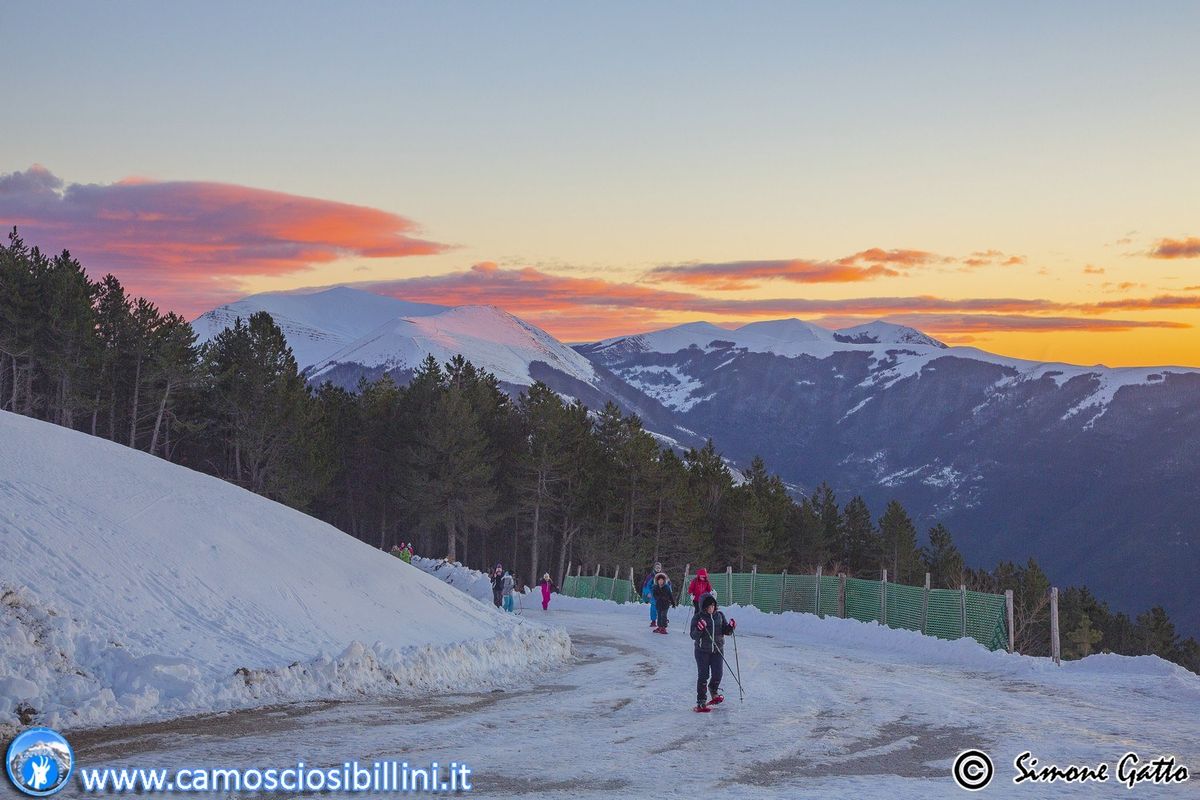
{"points": [[819, 720]]}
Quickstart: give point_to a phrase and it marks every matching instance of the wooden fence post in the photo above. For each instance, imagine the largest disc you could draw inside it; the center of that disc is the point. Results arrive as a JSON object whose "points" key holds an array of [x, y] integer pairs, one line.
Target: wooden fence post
{"points": [[962, 610], [683, 586], [595, 583], [562, 579], [613, 589], [925, 605], [782, 591], [729, 584], [1008, 613], [1055, 650], [634, 596], [842, 595], [883, 599], [818, 603], [753, 574]]}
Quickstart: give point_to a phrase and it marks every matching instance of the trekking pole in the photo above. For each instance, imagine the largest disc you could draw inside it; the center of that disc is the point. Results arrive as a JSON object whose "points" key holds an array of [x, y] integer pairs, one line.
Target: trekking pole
{"points": [[738, 673], [736, 678]]}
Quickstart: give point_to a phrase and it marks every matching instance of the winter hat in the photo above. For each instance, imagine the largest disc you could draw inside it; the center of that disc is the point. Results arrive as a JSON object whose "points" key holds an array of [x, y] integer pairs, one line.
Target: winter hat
{"points": [[546, 577], [662, 575], [707, 600], [658, 566], [702, 573]]}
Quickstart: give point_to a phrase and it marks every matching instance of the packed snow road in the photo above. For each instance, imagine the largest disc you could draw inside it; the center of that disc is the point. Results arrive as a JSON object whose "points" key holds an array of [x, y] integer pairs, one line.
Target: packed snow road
{"points": [[820, 719]]}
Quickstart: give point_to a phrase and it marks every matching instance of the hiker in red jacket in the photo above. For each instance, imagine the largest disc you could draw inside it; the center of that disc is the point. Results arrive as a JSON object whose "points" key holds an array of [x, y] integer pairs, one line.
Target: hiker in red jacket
{"points": [[699, 587]]}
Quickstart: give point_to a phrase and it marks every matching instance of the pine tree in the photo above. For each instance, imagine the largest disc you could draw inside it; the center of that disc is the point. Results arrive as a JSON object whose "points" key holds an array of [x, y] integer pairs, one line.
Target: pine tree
{"points": [[765, 541], [674, 513], [943, 561], [898, 539], [1082, 639], [263, 413], [711, 484], [1158, 635], [449, 485], [860, 551], [69, 345], [544, 459], [144, 323], [172, 367], [833, 526], [807, 548]]}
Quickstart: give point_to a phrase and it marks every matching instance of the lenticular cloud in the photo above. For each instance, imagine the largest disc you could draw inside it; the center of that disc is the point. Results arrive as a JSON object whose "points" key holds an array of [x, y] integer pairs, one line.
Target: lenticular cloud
{"points": [[165, 237]]}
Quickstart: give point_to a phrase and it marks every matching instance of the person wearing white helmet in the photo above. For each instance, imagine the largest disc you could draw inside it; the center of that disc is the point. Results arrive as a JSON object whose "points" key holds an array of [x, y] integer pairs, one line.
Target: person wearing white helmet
{"points": [[547, 587]]}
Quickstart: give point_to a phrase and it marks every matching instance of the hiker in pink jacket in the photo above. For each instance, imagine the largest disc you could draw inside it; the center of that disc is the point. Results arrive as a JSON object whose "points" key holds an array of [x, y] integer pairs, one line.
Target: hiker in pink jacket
{"points": [[547, 587]]}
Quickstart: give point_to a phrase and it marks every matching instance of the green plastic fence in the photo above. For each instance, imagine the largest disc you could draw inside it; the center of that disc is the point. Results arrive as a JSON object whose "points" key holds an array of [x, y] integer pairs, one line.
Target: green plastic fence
{"points": [[945, 613]]}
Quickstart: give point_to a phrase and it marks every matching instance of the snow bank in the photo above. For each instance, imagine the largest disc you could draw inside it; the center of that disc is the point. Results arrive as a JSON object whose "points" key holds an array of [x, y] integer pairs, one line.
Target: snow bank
{"points": [[133, 589]]}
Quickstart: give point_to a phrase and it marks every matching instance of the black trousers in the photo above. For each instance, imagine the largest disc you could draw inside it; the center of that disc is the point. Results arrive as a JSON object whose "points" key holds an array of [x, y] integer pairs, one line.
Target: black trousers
{"points": [[496, 597], [663, 608], [709, 669]]}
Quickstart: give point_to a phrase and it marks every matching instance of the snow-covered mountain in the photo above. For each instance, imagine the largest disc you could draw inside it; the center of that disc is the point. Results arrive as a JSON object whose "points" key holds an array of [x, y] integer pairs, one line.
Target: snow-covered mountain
{"points": [[133, 588], [343, 335], [317, 324], [489, 337], [783, 337], [1089, 469], [880, 332]]}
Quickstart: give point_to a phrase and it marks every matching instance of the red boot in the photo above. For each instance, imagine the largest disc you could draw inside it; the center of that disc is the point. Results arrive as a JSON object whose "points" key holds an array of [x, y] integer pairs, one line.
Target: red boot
{"points": [[716, 697], [660, 629], [703, 709]]}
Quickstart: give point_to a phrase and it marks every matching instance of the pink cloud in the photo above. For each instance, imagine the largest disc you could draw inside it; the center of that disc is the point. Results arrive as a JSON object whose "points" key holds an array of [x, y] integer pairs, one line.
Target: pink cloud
{"points": [[181, 242]]}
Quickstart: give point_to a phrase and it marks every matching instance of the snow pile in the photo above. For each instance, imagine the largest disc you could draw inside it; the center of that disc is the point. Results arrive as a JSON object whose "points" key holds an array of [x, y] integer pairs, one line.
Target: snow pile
{"points": [[133, 589], [316, 324], [488, 337]]}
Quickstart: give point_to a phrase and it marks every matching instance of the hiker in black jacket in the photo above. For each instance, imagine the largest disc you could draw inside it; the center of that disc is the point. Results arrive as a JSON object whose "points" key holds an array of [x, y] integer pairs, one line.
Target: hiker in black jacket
{"points": [[664, 598], [497, 585], [709, 629]]}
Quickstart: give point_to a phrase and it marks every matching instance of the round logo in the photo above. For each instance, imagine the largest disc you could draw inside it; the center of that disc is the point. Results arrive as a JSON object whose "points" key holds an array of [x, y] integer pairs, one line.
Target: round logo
{"points": [[973, 770], [39, 762]]}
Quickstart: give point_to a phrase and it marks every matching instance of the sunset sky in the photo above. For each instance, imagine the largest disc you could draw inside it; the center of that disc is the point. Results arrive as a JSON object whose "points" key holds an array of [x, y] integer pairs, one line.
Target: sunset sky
{"points": [[1024, 178]]}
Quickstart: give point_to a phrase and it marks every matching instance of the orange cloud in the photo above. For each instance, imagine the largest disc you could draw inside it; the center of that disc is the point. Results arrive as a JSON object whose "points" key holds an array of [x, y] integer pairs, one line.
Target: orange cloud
{"points": [[985, 258], [580, 309], [181, 241], [1090, 269], [876, 255], [1162, 301], [864, 265], [1177, 248], [746, 274], [938, 324]]}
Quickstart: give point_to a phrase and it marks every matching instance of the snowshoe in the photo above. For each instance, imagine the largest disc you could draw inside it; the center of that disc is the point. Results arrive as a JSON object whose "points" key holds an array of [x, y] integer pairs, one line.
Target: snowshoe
{"points": [[717, 698], [702, 709]]}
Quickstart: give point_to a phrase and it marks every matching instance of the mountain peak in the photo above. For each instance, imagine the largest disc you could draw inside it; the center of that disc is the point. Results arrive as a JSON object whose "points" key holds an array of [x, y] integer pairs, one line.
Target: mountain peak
{"points": [[881, 332]]}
